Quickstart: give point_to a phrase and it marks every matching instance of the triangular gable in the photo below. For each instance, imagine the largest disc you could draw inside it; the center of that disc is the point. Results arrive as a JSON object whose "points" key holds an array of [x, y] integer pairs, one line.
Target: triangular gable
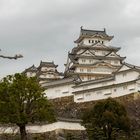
{"points": [[112, 54], [99, 45], [98, 36], [124, 68], [104, 64], [87, 53]]}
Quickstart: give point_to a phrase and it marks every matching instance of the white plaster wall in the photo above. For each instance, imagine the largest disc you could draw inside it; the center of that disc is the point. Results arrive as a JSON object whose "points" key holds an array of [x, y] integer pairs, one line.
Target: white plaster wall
{"points": [[80, 51], [100, 53], [67, 89], [124, 68], [86, 40], [47, 68], [44, 128], [98, 70], [59, 91], [126, 76], [46, 76], [113, 62], [116, 91], [105, 93], [84, 87], [132, 75], [31, 74], [87, 61]]}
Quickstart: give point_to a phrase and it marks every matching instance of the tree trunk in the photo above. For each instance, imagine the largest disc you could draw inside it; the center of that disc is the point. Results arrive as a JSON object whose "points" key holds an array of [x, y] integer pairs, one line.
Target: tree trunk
{"points": [[23, 133]]}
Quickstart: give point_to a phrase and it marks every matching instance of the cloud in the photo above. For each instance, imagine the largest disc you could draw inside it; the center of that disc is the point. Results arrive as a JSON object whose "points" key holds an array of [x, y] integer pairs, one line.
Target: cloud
{"points": [[45, 30]]}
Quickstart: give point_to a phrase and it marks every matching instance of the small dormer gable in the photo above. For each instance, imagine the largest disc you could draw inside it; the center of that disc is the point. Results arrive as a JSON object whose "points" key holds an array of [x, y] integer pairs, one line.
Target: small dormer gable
{"points": [[93, 36], [99, 45], [124, 68], [87, 53], [113, 54]]}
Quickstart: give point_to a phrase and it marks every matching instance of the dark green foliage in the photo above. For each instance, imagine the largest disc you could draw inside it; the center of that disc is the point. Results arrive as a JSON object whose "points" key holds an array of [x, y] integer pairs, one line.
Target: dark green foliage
{"points": [[105, 119], [22, 101]]}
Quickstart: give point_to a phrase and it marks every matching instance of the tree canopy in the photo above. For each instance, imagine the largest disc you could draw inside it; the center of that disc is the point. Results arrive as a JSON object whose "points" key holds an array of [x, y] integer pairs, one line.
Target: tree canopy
{"points": [[105, 117], [22, 101]]}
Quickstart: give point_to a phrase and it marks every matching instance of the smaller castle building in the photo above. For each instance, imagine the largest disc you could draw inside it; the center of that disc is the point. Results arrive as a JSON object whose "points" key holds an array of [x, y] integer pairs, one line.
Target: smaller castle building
{"points": [[45, 72]]}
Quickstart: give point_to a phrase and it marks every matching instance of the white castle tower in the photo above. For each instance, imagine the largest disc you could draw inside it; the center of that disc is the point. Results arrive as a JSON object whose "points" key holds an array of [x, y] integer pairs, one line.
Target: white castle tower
{"points": [[93, 57], [46, 72]]}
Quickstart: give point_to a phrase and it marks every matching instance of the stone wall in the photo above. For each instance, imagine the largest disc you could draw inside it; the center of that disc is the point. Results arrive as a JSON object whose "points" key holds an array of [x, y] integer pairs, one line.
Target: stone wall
{"points": [[66, 107], [53, 135]]}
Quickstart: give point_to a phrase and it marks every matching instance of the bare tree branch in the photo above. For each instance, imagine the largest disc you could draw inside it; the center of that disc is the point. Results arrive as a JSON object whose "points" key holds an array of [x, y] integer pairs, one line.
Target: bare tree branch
{"points": [[12, 57]]}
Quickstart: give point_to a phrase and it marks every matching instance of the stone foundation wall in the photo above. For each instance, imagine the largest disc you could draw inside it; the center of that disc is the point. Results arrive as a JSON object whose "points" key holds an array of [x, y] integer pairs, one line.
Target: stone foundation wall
{"points": [[53, 135], [67, 108]]}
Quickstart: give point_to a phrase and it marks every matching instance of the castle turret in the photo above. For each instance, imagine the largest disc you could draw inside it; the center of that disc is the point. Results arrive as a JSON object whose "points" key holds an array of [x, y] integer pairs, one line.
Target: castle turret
{"points": [[93, 58], [31, 71], [48, 72]]}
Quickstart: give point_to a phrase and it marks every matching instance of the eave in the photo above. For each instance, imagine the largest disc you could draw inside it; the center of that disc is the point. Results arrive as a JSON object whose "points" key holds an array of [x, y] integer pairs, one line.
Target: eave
{"points": [[104, 87], [100, 57], [81, 37], [76, 49]]}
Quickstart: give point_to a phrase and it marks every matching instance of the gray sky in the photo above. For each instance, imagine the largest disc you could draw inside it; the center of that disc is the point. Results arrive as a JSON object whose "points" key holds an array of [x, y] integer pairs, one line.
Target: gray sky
{"points": [[45, 29]]}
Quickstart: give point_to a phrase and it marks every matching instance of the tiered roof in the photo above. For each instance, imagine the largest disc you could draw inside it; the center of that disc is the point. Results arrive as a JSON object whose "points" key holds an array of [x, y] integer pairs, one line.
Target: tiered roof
{"points": [[39, 71], [64, 81], [47, 64], [31, 69], [95, 46], [84, 33], [98, 51]]}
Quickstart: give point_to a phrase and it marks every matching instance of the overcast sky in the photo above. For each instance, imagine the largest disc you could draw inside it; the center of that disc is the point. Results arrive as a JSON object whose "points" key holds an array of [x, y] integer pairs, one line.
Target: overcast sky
{"points": [[45, 29]]}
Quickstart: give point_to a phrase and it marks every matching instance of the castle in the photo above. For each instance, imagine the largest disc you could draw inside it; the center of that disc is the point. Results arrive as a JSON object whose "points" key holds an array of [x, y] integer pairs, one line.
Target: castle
{"points": [[94, 70]]}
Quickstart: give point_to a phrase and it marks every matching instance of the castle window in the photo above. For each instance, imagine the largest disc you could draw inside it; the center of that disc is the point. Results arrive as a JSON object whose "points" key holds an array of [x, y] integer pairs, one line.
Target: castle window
{"points": [[92, 41], [83, 60], [112, 55], [82, 77], [124, 87], [87, 53], [116, 62], [65, 92], [124, 74], [89, 77], [88, 70], [98, 92], [131, 89], [57, 91], [80, 97], [96, 41], [89, 41], [107, 93], [102, 42], [81, 70], [115, 89], [88, 94], [90, 61], [104, 53]]}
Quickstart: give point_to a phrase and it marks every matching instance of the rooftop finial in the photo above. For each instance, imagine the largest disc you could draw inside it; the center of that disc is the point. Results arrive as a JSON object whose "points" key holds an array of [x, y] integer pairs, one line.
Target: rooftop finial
{"points": [[81, 27], [105, 30]]}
